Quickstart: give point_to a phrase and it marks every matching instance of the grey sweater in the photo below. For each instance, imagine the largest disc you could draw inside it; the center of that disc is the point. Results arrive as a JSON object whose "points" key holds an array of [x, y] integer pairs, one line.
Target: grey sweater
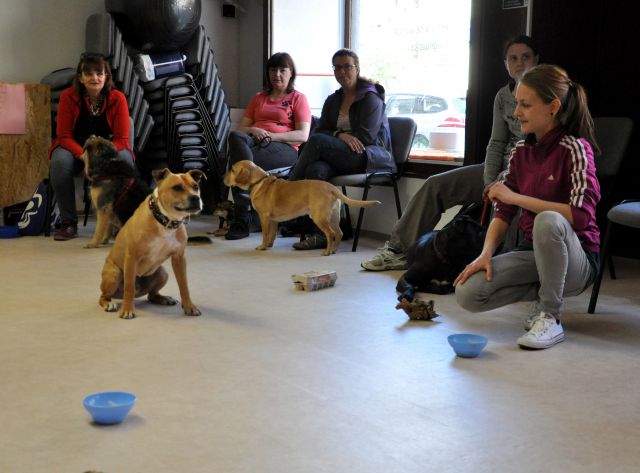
{"points": [[505, 133]]}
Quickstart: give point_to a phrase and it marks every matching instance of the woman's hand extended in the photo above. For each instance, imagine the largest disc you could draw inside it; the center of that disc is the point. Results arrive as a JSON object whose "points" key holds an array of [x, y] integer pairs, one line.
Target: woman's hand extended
{"points": [[481, 263]]}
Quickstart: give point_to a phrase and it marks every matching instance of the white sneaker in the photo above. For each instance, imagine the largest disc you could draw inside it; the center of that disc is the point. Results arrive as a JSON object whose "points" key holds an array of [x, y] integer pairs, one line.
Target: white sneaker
{"points": [[545, 332], [534, 312], [386, 260]]}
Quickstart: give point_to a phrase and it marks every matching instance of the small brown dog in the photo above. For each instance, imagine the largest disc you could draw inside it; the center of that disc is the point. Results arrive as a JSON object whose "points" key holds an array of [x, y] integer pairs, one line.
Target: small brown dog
{"points": [[277, 200], [116, 188], [224, 211], [152, 235]]}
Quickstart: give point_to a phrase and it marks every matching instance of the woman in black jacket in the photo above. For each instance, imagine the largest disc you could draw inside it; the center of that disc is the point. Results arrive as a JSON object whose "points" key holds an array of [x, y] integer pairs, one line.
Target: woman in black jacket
{"points": [[352, 135]]}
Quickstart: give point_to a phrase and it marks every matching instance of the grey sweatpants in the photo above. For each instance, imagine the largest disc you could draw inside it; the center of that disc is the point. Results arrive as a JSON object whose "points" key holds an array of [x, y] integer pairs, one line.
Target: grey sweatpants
{"points": [[557, 267]]}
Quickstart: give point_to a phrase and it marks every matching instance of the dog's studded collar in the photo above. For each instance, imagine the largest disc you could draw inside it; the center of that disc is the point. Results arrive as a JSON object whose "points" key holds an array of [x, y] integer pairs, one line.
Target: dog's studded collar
{"points": [[162, 218], [257, 182]]}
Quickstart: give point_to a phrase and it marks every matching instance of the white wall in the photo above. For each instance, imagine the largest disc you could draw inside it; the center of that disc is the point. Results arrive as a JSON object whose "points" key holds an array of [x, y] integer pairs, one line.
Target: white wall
{"points": [[237, 47], [40, 36]]}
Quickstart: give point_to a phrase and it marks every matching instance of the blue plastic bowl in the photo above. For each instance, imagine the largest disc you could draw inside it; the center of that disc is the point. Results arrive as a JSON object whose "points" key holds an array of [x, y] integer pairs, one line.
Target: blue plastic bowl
{"points": [[9, 231], [109, 407], [467, 345]]}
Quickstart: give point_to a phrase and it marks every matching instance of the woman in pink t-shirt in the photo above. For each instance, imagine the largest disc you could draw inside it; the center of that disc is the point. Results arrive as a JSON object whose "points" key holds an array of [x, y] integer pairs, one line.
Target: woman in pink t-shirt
{"points": [[275, 123]]}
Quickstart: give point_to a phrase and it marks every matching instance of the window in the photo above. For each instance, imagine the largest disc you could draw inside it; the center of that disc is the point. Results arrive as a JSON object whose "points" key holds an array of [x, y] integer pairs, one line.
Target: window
{"points": [[417, 49], [310, 31]]}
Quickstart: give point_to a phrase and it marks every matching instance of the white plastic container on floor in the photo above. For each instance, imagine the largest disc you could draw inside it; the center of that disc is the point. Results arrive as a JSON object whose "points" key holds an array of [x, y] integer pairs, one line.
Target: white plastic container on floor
{"points": [[314, 280]]}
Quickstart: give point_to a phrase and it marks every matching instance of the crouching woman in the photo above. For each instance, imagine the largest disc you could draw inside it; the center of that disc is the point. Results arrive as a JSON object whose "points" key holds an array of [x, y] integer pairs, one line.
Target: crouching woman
{"points": [[551, 177]]}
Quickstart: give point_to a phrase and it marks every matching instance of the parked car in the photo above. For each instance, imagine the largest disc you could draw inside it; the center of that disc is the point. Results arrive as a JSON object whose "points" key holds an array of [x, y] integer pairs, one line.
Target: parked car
{"points": [[429, 112]]}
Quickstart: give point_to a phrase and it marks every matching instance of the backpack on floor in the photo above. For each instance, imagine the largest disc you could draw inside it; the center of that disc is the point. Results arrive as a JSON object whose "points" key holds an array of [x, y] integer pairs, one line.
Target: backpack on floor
{"points": [[32, 221]]}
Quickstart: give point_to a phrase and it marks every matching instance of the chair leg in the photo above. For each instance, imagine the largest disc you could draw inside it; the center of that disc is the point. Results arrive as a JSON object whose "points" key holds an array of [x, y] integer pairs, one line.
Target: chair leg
{"points": [[347, 213], [612, 269], [595, 290], [397, 196], [356, 235], [609, 262]]}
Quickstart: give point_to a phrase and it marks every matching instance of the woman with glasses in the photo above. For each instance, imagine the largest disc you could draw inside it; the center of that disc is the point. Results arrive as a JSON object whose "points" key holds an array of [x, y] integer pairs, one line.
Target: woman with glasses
{"points": [[466, 184], [91, 106], [352, 135], [275, 122]]}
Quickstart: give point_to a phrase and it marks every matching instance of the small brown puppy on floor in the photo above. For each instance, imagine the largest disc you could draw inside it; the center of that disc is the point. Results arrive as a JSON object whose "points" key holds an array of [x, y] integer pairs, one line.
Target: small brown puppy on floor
{"points": [[224, 211], [152, 235], [116, 188], [277, 200]]}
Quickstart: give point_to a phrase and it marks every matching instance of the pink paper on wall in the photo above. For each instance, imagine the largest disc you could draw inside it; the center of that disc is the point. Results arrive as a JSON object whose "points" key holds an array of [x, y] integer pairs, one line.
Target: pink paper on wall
{"points": [[13, 118]]}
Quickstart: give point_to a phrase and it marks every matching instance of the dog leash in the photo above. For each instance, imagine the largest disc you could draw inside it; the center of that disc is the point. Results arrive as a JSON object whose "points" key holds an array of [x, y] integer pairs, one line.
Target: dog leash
{"points": [[124, 192], [485, 208], [264, 142]]}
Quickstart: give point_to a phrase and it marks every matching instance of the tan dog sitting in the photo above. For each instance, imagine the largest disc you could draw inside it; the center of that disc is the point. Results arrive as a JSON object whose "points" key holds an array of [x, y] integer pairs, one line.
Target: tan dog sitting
{"points": [[152, 235], [277, 200]]}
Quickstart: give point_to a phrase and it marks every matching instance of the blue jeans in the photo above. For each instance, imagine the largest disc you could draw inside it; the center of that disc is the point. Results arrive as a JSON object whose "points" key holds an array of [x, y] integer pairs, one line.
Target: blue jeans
{"points": [[325, 156], [62, 168]]}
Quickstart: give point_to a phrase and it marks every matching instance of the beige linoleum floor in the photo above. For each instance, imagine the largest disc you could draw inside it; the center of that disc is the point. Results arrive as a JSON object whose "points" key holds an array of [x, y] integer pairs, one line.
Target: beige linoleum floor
{"points": [[274, 380]]}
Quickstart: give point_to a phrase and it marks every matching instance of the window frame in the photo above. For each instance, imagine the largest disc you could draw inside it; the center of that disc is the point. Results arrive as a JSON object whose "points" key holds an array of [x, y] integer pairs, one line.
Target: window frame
{"points": [[350, 31]]}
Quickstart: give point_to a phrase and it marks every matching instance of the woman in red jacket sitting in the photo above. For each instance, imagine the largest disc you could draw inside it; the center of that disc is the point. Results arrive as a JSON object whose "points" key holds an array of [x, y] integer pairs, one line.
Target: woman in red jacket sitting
{"points": [[91, 106]]}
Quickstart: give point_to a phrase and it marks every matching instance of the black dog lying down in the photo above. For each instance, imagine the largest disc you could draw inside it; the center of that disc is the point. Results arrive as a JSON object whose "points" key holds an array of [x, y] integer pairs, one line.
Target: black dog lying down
{"points": [[439, 256]]}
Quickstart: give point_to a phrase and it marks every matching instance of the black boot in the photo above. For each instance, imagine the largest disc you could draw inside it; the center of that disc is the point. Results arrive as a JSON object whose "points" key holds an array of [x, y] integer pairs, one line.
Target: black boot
{"points": [[254, 225], [240, 225]]}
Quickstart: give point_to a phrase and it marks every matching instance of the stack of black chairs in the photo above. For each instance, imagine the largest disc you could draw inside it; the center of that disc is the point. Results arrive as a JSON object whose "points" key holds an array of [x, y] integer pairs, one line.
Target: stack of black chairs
{"points": [[202, 67], [191, 117], [180, 121], [57, 81]]}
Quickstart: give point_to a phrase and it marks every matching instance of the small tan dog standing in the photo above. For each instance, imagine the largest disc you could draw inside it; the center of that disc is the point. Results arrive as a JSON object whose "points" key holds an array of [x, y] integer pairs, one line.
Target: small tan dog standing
{"points": [[278, 200], [152, 235]]}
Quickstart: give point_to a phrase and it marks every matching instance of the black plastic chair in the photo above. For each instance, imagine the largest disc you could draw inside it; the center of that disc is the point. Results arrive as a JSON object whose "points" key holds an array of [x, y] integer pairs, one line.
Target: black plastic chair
{"points": [[403, 130], [613, 135], [627, 214]]}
